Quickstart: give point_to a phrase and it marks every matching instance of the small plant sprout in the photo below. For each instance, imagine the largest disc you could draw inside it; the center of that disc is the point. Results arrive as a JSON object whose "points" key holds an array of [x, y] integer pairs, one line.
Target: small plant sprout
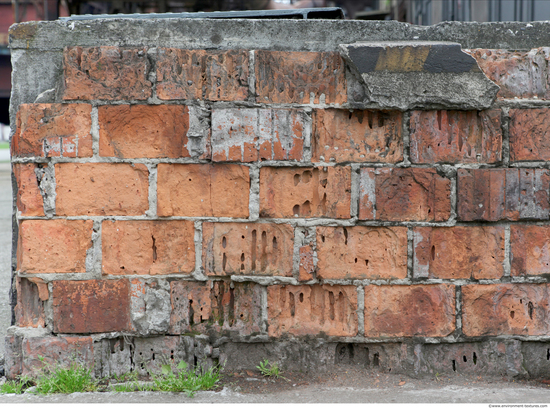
{"points": [[270, 369]]}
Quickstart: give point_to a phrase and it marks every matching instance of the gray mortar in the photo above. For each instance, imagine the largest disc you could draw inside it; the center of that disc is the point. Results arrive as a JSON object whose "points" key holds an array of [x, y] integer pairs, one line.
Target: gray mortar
{"points": [[95, 132], [94, 254], [46, 183], [251, 76], [254, 195], [507, 261], [198, 273], [152, 211], [150, 312], [361, 310]]}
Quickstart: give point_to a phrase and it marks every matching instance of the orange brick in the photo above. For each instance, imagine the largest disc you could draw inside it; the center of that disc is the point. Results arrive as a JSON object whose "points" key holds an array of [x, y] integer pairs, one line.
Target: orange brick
{"points": [[312, 310], [248, 135], [52, 130], [101, 189], [362, 252], [529, 245], [108, 73], [305, 192], [357, 135], [459, 252], [409, 311], [202, 307], [521, 74], [247, 249], [53, 246], [154, 131], [505, 309], [503, 194], [202, 74], [404, 194], [202, 190], [456, 136], [29, 310], [29, 199], [91, 306], [300, 77], [148, 247], [529, 134]]}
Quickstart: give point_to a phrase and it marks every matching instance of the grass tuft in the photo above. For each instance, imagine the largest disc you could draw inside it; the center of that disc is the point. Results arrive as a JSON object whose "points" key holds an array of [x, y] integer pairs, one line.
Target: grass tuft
{"points": [[14, 386], [58, 380], [268, 369], [181, 379]]}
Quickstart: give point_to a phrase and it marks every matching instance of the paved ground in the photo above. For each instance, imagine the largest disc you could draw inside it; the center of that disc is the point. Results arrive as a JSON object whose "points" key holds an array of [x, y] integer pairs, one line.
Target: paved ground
{"points": [[5, 248]]}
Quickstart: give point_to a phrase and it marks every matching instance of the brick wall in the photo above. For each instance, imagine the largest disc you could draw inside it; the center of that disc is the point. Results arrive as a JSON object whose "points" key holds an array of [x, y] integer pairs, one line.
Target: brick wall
{"points": [[242, 197]]}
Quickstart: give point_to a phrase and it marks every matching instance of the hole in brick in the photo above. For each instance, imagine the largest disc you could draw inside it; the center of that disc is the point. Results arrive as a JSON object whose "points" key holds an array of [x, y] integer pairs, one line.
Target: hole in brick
{"points": [[153, 358], [439, 119], [454, 365], [323, 238], [171, 354], [242, 257], [306, 176], [345, 236], [242, 236], [292, 304], [253, 247], [464, 359], [548, 354], [242, 315], [376, 360], [323, 183], [122, 267], [231, 307], [475, 358], [296, 210], [521, 301], [191, 312], [296, 179], [369, 118], [301, 297], [350, 114], [331, 305], [512, 314], [264, 251], [224, 261], [433, 252], [530, 309], [366, 262], [355, 260], [306, 207], [154, 250], [344, 354], [224, 242], [275, 245]]}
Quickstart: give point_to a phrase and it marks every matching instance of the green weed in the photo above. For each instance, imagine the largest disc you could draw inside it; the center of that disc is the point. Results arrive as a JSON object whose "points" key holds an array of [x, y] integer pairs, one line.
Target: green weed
{"points": [[14, 386], [270, 369], [181, 379], [59, 380]]}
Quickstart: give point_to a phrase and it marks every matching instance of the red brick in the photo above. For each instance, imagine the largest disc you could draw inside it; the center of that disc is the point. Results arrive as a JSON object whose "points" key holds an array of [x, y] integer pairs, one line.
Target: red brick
{"points": [[456, 136], [357, 136], [362, 252], [287, 192], [200, 74], [29, 198], [29, 310], [307, 265], [53, 246], [202, 307], [148, 247], [505, 309], [249, 135], [312, 310], [503, 194], [202, 190], [56, 351], [91, 306], [153, 131], [518, 73], [529, 134], [53, 130], [529, 246], [300, 77], [409, 311], [247, 249], [101, 189], [13, 363], [107, 73], [459, 252], [404, 194]]}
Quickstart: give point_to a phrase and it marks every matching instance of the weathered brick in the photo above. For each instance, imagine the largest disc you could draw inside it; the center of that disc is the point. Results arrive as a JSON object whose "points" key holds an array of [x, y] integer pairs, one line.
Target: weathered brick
{"points": [[56, 351], [505, 309], [13, 363], [107, 73], [154, 131], [362, 252], [459, 252], [29, 198], [307, 264], [305, 192], [404, 194], [247, 249], [91, 306], [249, 135], [300, 77], [200, 74], [148, 247], [409, 311], [204, 306], [202, 190], [456, 136], [529, 246], [357, 135], [31, 294], [519, 74], [499, 194], [53, 130], [101, 189], [312, 310], [529, 134], [53, 246]]}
